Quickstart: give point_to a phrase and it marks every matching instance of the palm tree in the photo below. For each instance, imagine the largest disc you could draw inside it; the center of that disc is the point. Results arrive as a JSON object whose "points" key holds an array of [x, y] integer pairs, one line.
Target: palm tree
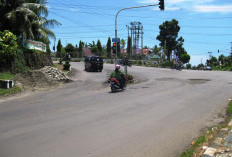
{"points": [[40, 29], [123, 43], [18, 18], [27, 19]]}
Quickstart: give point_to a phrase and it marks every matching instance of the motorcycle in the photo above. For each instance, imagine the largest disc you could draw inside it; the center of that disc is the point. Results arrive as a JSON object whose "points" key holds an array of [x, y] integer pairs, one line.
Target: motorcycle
{"points": [[116, 85]]}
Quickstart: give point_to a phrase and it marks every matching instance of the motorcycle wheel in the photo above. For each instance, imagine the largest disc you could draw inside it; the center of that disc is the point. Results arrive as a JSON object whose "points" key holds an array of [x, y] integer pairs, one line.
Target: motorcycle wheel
{"points": [[113, 89]]}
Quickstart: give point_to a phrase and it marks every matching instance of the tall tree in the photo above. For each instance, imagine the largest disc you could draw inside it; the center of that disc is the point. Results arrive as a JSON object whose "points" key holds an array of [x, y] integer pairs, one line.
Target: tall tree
{"points": [[108, 48], [80, 49], [222, 59], [58, 48], [27, 19], [94, 49], [179, 47], [99, 47], [69, 48], [90, 45], [156, 50], [168, 34], [122, 43], [185, 58], [129, 47]]}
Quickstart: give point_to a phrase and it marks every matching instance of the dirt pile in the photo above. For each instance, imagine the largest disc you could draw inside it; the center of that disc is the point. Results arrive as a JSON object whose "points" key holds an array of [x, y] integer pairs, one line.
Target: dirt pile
{"points": [[47, 77]]}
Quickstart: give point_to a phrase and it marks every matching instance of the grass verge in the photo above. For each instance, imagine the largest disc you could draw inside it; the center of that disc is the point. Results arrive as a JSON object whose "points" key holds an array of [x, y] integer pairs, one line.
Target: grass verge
{"points": [[189, 153], [10, 91], [196, 149], [6, 76], [229, 109]]}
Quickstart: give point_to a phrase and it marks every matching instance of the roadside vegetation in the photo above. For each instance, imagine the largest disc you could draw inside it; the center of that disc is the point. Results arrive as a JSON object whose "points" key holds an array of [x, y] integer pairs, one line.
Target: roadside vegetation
{"points": [[196, 149], [22, 20], [6, 76], [10, 91]]}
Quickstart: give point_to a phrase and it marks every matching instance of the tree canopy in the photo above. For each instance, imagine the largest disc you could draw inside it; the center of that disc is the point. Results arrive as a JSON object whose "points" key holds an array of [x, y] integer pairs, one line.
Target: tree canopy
{"points": [[108, 48], [27, 19], [185, 58], [168, 35]]}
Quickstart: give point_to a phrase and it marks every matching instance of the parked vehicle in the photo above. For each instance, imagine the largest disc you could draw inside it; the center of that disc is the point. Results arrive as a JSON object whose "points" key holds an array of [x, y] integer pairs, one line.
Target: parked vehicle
{"points": [[208, 68], [116, 85], [93, 63]]}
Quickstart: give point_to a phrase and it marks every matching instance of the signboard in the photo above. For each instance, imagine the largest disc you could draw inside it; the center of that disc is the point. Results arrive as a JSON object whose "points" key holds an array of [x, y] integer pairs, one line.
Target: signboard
{"points": [[34, 45], [116, 40]]}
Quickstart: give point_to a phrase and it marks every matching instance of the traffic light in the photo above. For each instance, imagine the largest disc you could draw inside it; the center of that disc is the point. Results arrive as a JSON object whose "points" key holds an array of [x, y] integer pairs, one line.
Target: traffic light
{"points": [[114, 48], [161, 4]]}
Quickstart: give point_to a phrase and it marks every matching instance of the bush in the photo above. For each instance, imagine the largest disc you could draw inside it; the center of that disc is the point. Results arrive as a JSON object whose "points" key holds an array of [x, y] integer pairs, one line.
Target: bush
{"points": [[149, 63], [19, 64], [8, 47], [66, 65], [188, 66], [77, 60], [194, 67], [167, 64], [139, 62], [60, 61]]}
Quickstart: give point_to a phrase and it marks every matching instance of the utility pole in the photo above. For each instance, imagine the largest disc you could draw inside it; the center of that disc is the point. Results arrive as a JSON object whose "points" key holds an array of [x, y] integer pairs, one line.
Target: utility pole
{"points": [[142, 39], [116, 31], [128, 27], [137, 30]]}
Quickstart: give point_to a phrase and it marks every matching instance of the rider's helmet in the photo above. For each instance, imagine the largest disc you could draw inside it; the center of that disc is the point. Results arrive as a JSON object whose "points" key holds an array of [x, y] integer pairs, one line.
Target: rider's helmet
{"points": [[117, 67]]}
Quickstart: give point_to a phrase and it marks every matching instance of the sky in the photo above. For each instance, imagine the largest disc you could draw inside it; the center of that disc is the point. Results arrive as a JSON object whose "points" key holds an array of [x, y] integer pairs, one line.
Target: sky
{"points": [[206, 25]]}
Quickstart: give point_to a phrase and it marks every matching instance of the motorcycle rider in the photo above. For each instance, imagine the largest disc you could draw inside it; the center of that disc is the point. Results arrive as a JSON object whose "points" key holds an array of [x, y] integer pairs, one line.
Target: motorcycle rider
{"points": [[118, 75]]}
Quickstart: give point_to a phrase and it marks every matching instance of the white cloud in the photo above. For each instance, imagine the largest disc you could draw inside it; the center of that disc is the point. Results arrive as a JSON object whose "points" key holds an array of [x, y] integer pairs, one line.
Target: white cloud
{"points": [[201, 6], [213, 8], [176, 1], [172, 8], [192, 1]]}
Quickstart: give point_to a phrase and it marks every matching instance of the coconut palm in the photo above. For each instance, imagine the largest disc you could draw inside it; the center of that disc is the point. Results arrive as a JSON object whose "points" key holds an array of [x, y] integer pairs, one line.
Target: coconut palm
{"points": [[27, 19]]}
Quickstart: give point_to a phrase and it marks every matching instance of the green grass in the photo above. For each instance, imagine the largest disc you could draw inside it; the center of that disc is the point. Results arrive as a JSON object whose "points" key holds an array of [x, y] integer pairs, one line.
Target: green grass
{"points": [[229, 109], [188, 153], [6, 76], [9, 91]]}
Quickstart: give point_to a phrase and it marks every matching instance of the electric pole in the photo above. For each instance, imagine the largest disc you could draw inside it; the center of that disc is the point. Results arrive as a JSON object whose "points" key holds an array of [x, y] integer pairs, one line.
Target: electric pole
{"points": [[161, 4]]}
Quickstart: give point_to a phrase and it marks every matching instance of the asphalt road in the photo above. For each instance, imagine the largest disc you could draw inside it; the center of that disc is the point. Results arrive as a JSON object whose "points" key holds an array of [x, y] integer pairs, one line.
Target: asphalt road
{"points": [[157, 117]]}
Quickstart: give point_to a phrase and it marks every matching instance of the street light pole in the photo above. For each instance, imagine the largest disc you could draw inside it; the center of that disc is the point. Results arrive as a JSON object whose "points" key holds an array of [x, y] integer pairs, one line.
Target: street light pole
{"points": [[116, 55]]}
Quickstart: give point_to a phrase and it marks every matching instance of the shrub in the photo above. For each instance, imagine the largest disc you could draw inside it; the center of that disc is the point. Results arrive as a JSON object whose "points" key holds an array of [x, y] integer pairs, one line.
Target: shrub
{"points": [[19, 64], [149, 63], [188, 66], [194, 67], [66, 65], [77, 60], [8, 47], [60, 61], [167, 64], [139, 62]]}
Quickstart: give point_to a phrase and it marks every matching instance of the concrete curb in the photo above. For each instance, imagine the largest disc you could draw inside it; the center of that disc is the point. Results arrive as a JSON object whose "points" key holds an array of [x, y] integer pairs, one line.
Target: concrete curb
{"points": [[209, 152], [218, 144]]}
